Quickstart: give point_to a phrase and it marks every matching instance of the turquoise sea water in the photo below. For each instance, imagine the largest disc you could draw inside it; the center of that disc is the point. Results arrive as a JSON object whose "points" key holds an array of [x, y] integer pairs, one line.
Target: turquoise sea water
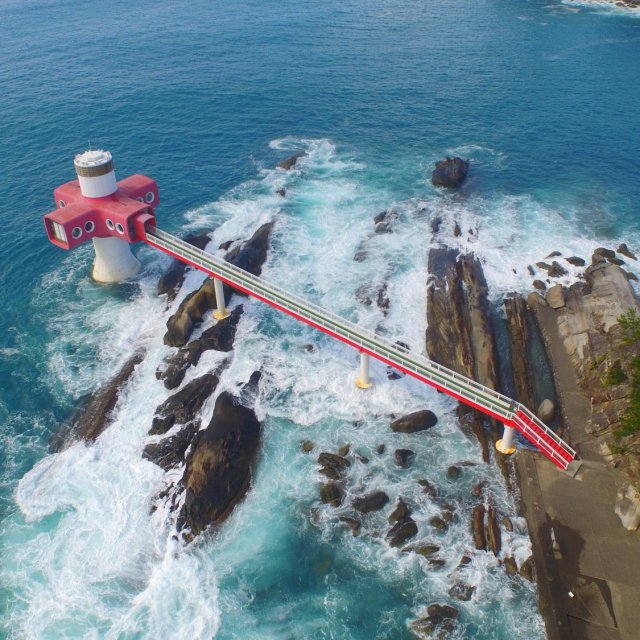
{"points": [[206, 98]]}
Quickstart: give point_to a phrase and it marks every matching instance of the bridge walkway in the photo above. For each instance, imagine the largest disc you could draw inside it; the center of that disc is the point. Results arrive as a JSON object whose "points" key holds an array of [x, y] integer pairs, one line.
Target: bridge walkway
{"points": [[490, 402]]}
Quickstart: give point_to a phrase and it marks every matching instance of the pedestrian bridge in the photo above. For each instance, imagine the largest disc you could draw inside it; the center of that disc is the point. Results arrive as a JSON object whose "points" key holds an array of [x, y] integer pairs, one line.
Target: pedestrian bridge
{"points": [[514, 416]]}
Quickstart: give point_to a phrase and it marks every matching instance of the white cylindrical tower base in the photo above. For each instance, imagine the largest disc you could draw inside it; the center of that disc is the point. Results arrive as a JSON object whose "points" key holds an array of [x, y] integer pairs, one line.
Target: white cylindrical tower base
{"points": [[506, 445], [221, 310], [114, 261], [364, 382]]}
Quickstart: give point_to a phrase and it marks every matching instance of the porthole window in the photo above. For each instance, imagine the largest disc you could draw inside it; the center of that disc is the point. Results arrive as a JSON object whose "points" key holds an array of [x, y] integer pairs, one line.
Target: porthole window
{"points": [[120, 228], [140, 199], [110, 224], [62, 204], [150, 197], [89, 226], [76, 232]]}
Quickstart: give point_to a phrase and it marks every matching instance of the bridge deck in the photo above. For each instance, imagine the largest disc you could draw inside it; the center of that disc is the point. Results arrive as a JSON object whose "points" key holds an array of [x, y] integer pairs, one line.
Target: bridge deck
{"points": [[487, 400]]}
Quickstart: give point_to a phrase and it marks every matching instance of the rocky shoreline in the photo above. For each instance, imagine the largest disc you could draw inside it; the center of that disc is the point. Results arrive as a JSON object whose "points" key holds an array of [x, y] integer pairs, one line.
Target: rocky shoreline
{"points": [[208, 469]]}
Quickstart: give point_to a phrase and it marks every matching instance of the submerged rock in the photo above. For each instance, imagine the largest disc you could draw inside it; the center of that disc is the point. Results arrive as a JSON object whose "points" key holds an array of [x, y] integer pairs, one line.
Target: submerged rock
{"points": [[332, 493], [218, 471], [437, 624], [400, 511], [404, 457], [288, 163], [352, 523], [414, 422], [461, 591], [332, 465], [450, 173], [402, 531]]}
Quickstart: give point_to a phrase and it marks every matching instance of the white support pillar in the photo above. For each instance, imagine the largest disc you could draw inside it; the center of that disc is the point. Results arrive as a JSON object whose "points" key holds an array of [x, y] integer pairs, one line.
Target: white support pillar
{"points": [[506, 444], [364, 381], [221, 311]]}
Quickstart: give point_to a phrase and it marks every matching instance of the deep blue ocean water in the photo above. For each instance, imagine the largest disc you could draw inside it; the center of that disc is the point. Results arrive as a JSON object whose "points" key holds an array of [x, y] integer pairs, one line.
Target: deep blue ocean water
{"points": [[206, 97]]}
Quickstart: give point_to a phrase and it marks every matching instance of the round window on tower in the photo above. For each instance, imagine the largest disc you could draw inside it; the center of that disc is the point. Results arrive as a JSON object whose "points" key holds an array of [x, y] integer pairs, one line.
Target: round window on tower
{"points": [[62, 204], [110, 225], [150, 197], [120, 228], [89, 226], [76, 232]]}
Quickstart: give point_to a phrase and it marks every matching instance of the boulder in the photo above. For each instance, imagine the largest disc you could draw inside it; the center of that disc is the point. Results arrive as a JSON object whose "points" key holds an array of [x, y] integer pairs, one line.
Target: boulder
{"points": [[380, 449], [219, 468], [307, 446], [616, 261], [404, 457], [282, 192], [426, 549], [402, 531], [450, 173], [288, 163], [623, 250], [184, 405], [438, 523], [453, 472], [352, 523], [169, 452], [538, 284], [576, 261], [384, 221], [332, 493], [555, 297], [428, 487], [457, 231], [416, 421], [605, 253], [528, 569], [631, 276], [546, 410], [554, 254], [627, 507], [373, 501], [438, 624], [510, 566], [461, 591], [507, 524], [492, 531], [400, 511], [332, 465]]}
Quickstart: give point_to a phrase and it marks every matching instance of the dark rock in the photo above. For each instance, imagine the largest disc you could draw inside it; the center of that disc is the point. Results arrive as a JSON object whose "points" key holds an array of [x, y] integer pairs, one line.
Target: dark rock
{"points": [[219, 469], [538, 284], [450, 173], [344, 450], [384, 221], [282, 192], [290, 162], [184, 405], [219, 337], [453, 472], [426, 549], [173, 277], [531, 270], [417, 421], [400, 512], [380, 449], [556, 270], [448, 516], [553, 254], [402, 531], [623, 250], [373, 501], [169, 452], [617, 261], [93, 415], [226, 244], [464, 561], [404, 457], [352, 523], [494, 537], [438, 624], [507, 524], [457, 231], [631, 276], [332, 493], [576, 261], [307, 446], [429, 488], [435, 225], [438, 523], [362, 459], [477, 527], [461, 591], [333, 465], [510, 566], [605, 253], [478, 488], [528, 570]]}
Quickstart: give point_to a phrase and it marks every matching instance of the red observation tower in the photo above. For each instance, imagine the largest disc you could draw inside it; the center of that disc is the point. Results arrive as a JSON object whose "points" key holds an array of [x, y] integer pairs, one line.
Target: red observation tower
{"points": [[111, 214]]}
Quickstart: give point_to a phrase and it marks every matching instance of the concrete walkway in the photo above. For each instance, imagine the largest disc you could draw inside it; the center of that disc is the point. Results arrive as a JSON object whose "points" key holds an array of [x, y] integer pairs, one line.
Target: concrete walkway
{"points": [[588, 565]]}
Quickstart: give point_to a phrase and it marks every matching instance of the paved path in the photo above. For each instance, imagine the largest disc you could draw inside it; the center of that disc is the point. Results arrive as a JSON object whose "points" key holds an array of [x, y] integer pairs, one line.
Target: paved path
{"points": [[588, 564]]}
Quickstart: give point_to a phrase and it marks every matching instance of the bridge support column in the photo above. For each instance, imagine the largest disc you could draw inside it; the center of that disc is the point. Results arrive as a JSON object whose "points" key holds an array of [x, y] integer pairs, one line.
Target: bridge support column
{"points": [[221, 311], [505, 444], [364, 381]]}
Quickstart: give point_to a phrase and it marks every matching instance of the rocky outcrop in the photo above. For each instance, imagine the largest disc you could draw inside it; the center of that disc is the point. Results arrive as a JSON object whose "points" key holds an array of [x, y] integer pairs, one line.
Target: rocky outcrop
{"points": [[289, 163], [414, 422], [218, 337], [404, 458], [402, 531], [373, 501], [183, 405], [219, 468], [437, 624], [170, 452], [459, 331], [249, 256], [173, 277], [333, 465], [94, 414], [450, 173]]}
